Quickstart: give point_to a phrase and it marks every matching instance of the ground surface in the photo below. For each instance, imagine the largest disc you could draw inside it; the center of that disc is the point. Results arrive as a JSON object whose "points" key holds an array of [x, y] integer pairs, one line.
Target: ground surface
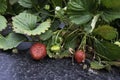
{"points": [[22, 67]]}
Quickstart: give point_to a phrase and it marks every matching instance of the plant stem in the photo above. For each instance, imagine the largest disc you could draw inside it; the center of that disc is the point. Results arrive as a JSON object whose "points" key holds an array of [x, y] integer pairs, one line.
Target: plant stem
{"points": [[53, 3], [34, 5], [57, 35], [102, 56], [83, 43], [46, 13], [72, 32], [65, 2]]}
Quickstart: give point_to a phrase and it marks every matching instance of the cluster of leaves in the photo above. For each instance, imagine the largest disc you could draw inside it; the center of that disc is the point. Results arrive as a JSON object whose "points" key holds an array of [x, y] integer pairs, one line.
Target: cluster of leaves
{"points": [[64, 26], [95, 16]]}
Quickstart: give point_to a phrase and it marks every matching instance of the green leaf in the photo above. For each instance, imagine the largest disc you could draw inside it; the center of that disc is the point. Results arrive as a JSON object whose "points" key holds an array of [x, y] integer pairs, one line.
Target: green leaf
{"points": [[17, 8], [96, 65], [25, 3], [50, 54], [111, 10], [114, 63], [82, 5], [114, 50], [71, 42], [109, 15], [100, 48], [64, 54], [106, 32], [114, 4], [81, 11], [54, 25], [46, 35], [80, 18], [3, 23], [107, 49], [3, 6], [13, 1], [10, 41], [25, 23], [57, 3]]}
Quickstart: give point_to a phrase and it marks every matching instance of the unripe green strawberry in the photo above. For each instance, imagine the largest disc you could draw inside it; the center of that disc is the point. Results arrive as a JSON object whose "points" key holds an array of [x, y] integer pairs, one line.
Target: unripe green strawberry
{"points": [[55, 48]]}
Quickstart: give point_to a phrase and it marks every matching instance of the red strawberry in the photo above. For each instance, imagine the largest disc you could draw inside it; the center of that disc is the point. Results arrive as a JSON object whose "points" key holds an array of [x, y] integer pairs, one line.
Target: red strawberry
{"points": [[38, 51], [79, 56]]}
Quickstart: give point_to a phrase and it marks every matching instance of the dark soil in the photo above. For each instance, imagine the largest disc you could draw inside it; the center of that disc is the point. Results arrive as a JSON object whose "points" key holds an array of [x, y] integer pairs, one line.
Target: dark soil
{"points": [[22, 67]]}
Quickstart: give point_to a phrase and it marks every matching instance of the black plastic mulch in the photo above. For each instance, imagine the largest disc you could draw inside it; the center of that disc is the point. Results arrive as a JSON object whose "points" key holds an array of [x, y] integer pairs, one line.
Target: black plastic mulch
{"points": [[22, 67]]}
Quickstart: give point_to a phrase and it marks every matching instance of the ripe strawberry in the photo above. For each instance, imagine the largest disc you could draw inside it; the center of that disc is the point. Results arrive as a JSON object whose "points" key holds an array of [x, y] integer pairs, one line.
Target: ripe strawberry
{"points": [[38, 51], [79, 56]]}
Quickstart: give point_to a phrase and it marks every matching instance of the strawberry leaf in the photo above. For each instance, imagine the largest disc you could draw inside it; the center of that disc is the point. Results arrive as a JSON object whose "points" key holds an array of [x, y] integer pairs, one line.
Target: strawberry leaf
{"points": [[3, 6], [81, 11], [114, 4], [109, 15], [107, 49], [3, 23], [114, 63], [46, 35], [10, 41], [25, 23], [13, 1], [25, 3], [106, 32], [71, 42], [96, 65]]}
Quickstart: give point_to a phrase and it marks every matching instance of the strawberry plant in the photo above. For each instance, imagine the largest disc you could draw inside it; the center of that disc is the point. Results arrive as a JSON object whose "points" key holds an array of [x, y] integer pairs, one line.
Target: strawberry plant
{"points": [[80, 29]]}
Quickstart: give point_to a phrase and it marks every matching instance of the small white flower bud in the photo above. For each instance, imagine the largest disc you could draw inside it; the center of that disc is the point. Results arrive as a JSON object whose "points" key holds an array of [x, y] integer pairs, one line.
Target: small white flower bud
{"points": [[65, 8], [117, 43], [57, 8]]}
